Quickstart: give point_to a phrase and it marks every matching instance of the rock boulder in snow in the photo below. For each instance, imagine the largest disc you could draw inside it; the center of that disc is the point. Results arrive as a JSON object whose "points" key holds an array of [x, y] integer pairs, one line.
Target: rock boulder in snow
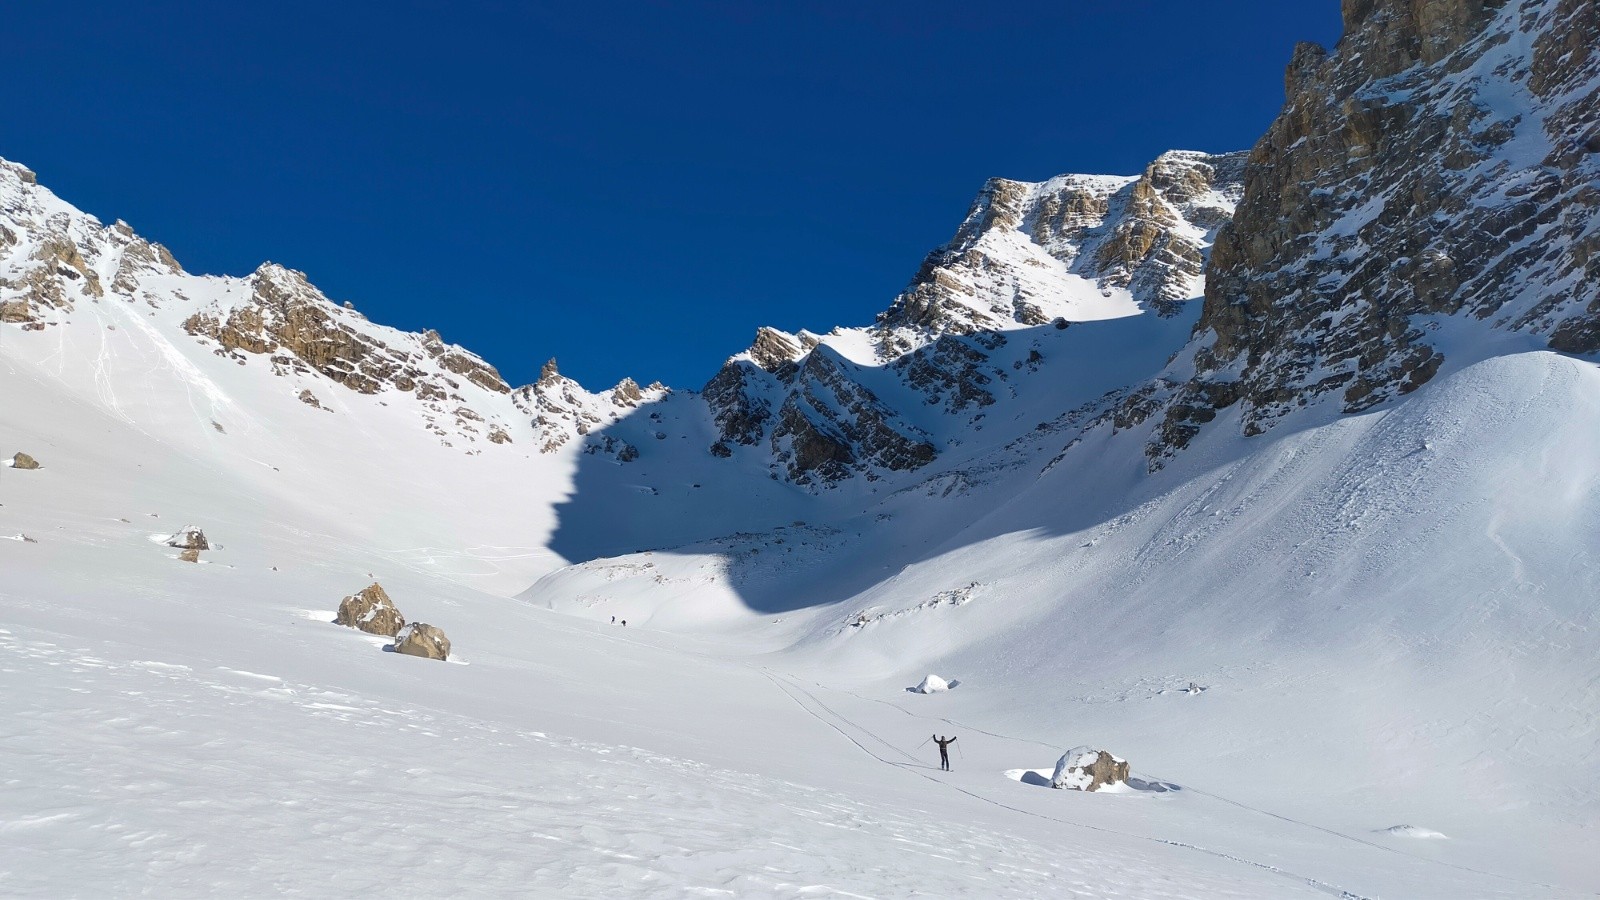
{"points": [[370, 610], [24, 461], [190, 538], [932, 684], [1083, 769], [190, 556], [422, 640]]}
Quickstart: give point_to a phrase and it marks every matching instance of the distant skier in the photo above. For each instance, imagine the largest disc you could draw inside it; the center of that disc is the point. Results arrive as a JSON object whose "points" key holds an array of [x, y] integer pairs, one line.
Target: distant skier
{"points": [[944, 751], [613, 620], [624, 623]]}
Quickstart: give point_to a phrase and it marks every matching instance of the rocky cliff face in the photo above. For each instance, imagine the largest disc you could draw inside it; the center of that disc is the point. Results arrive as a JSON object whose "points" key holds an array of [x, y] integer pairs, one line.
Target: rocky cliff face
{"points": [[1077, 248], [1444, 161]]}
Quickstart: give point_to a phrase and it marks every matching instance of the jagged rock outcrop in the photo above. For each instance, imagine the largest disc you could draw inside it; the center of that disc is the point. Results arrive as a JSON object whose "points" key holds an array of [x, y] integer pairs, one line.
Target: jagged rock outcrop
{"points": [[1086, 769], [454, 359], [140, 258], [832, 423], [1444, 161], [561, 411], [740, 394], [53, 257], [370, 610], [426, 641], [287, 317], [23, 461]]}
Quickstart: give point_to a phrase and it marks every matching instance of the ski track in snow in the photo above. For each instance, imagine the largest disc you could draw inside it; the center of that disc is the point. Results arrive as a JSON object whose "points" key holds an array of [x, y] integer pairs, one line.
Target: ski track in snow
{"points": [[116, 779], [834, 720], [1189, 788]]}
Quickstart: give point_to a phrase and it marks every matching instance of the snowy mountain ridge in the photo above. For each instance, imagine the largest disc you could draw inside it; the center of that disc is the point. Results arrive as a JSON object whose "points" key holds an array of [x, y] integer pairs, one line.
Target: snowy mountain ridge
{"points": [[55, 259], [959, 338]]}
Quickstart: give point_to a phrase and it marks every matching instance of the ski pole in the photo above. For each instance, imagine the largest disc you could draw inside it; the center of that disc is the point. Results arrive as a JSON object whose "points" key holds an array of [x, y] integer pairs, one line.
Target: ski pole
{"points": [[961, 751], [924, 743]]}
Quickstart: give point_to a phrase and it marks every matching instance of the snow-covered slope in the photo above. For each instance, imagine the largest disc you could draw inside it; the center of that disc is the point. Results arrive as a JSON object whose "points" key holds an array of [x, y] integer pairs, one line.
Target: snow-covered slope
{"points": [[1043, 475], [183, 729]]}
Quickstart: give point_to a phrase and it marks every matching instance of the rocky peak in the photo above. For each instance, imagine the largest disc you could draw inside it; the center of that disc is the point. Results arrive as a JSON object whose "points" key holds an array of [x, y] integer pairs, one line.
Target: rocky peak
{"points": [[453, 358], [1442, 162], [549, 373], [774, 349], [1076, 247], [562, 411], [626, 393], [18, 172]]}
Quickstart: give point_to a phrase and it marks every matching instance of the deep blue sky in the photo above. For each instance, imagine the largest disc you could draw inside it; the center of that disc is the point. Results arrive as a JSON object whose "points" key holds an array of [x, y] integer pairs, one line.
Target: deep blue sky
{"points": [[631, 187]]}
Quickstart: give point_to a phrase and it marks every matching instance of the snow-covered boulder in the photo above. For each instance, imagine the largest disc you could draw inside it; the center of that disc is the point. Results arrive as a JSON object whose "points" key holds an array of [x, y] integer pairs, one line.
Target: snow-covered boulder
{"points": [[24, 461], [932, 684], [422, 640], [190, 538], [1414, 831], [370, 610], [1085, 769]]}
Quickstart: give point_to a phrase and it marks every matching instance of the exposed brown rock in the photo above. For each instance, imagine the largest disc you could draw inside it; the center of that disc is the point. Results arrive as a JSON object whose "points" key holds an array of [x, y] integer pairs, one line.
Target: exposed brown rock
{"points": [[139, 258], [370, 610], [303, 330], [626, 393], [453, 359], [422, 640], [23, 461], [189, 556]]}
